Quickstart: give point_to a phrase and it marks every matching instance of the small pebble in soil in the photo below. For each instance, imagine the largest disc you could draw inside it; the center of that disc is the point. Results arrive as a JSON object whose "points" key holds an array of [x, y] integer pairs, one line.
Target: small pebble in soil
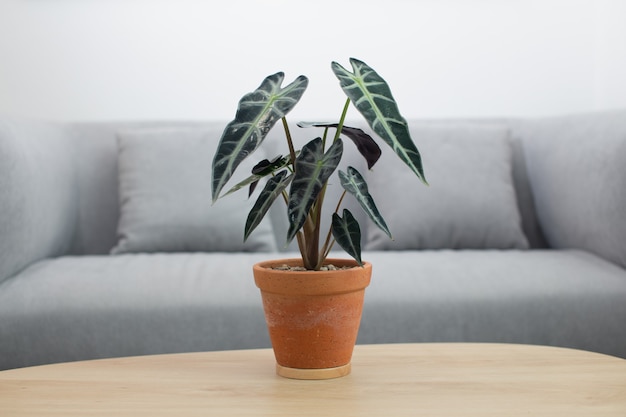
{"points": [[330, 267]]}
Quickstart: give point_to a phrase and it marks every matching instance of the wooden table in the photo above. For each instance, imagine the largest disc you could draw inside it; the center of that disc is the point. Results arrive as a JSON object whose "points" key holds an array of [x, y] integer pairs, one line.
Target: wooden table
{"points": [[387, 380]]}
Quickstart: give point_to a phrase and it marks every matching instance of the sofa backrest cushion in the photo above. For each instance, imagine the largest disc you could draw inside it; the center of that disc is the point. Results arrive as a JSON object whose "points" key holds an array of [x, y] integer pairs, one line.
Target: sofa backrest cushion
{"points": [[585, 208], [470, 203], [576, 171], [97, 151], [165, 195], [523, 194], [96, 145], [38, 193]]}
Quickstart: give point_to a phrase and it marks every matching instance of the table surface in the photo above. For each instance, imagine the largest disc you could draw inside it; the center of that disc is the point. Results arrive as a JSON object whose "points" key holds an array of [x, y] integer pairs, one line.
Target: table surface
{"points": [[386, 380]]}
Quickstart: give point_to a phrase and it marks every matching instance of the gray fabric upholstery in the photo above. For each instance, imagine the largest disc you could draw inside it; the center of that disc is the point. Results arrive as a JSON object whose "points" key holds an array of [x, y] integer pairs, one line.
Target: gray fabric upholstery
{"points": [[64, 297], [576, 169], [97, 169], [82, 307], [470, 203], [38, 193], [552, 297], [95, 146], [73, 308], [165, 196]]}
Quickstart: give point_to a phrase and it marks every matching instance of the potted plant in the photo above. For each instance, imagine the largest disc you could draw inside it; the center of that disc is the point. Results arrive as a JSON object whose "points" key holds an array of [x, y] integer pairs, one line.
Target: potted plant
{"points": [[313, 313]]}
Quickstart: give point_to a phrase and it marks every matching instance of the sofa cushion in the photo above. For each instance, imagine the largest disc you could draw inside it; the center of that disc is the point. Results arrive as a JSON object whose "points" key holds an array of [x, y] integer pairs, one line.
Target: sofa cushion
{"points": [[38, 193], [576, 171], [470, 203], [87, 307], [550, 297], [165, 196]]}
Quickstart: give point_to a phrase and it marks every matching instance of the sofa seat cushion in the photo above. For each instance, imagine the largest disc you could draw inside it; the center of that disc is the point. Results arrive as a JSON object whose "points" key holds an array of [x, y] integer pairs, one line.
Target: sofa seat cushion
{"points": [[564, 298], [74, 308]]}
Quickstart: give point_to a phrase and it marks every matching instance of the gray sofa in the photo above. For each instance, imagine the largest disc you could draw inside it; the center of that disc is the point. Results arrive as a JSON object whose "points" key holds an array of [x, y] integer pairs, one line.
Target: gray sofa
{"points": [[109, 245]]}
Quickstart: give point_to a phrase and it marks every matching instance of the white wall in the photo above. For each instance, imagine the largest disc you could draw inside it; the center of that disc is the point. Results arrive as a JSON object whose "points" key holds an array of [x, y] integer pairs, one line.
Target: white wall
{"points": [[193, 59]]}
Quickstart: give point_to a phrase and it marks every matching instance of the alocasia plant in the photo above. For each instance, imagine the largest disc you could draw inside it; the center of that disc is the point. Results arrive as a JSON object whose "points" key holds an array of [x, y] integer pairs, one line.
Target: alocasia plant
{"points": [[301, 177]]}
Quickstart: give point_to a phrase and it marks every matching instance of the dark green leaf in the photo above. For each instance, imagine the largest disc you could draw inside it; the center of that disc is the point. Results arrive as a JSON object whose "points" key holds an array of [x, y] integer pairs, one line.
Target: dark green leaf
{"points": [[313, 168], [271, 191], [266, 166], [347, 234], [248, 181], [256, 115], [260, 170], [354, 183], [372, 97], [364, 142]]}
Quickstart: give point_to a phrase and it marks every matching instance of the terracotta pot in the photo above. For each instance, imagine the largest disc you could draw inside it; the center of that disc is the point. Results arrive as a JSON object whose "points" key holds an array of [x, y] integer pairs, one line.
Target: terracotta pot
{"points": [[313, 317]]}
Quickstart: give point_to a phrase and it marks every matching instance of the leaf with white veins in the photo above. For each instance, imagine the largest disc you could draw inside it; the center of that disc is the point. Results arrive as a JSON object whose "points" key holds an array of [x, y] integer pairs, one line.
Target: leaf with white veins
{"points": [[354, 183], [260, 170], [313, 167], [347, 234], [257, 113], [268, 195], [372, 97]]}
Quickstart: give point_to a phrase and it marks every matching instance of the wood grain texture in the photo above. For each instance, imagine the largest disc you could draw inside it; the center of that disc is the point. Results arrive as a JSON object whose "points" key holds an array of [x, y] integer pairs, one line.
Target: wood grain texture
{"points": [[386, 380]]}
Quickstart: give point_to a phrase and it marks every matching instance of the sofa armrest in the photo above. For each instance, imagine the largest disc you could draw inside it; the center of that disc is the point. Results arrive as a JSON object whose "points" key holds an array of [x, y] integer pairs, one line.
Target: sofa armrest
{"points": [[576, 171], [38, 193]]}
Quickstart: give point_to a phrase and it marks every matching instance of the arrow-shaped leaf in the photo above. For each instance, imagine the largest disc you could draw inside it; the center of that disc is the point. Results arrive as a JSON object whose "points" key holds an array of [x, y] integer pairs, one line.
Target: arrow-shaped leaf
{"points": [[260, 170], [266, 166], [257, 113], [372, 97], [313, 168], [271, 191], [354, 183], [365, 144], [347, 234]]}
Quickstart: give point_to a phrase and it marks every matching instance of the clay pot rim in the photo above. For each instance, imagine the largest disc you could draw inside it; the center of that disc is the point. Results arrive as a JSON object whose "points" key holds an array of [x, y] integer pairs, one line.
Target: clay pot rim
{"points": [[340, 262], [311, 282]]}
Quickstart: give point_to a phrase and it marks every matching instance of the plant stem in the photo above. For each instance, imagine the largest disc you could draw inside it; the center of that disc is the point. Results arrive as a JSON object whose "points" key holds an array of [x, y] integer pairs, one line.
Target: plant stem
{"points": [[327, 251], [324, 136], [327, 243], [302, 248], [317, 218], [292, 151], [300, 237], [342, 119]]}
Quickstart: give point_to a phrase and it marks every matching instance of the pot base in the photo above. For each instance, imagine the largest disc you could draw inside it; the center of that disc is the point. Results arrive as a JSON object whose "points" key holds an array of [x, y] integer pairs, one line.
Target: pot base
{"points": [[324, 373]]}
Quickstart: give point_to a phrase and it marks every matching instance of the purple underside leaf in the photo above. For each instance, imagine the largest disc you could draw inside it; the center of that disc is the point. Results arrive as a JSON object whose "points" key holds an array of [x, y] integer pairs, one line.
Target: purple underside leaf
{"points": [[365, 144]]}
